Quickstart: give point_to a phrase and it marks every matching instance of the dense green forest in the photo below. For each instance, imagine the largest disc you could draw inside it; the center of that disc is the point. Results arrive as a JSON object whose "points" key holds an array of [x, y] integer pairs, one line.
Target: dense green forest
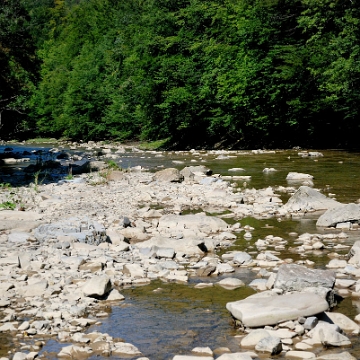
{"points": [[240, 73]]}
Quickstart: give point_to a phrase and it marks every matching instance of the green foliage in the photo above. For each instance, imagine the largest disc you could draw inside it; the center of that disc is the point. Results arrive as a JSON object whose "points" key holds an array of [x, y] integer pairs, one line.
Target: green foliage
{"points": [[8, 205], [111, 164], [249, 73], [18, 66]]}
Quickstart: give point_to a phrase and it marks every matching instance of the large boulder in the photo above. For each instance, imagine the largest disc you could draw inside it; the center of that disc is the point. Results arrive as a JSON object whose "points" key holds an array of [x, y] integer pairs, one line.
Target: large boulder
{"points": [[97, 286], [340, 214], [168, 175], [261, 311], [328, 335], [292, 277], [308, 199]]}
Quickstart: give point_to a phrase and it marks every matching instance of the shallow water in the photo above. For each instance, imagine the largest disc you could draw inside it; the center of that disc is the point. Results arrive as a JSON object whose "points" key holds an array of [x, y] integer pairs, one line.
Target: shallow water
{"points": [[165, 319]]}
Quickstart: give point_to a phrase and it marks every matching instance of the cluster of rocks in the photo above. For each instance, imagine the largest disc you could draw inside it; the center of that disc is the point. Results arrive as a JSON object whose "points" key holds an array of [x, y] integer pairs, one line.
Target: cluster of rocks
{"points": [[65, 259]]}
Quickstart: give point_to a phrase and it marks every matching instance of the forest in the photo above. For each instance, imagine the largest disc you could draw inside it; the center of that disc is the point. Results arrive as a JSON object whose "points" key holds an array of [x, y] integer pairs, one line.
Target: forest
{"points": [[198, 73]]}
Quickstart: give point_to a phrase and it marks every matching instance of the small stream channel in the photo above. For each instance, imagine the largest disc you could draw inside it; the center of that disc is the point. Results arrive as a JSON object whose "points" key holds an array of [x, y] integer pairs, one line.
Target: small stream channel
{"points": [[164, 319]]}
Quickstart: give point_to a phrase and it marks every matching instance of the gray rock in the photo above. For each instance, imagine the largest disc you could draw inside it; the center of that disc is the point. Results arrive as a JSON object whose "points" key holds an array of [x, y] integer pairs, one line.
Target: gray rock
{"points": [[18, 237], [122, 348], [340, 214], [354, 254], [234, 356], [83, 230], [242, 258], [294, 176], [75, 352], [261, 311], [97, 286], [169, 175], [206, 270], [310, 323], [254, 337], [20, 356], [203, 223], [270, 344], [308, 199], [329, 335], [343, 356], [36, 289], [292, 277], [231, 283]]}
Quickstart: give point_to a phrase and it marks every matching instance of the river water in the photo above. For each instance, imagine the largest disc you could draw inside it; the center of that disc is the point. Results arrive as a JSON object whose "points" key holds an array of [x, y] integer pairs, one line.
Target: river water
{"points": [[164, 319]]}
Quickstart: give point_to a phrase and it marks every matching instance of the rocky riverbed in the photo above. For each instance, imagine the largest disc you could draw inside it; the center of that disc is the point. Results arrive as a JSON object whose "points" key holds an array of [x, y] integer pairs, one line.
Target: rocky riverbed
{"points": [[70, 247]]}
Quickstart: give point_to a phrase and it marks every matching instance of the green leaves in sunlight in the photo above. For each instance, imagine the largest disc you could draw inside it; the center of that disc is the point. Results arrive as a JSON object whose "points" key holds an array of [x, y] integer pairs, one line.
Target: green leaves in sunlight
{"points": [[273, 73]]}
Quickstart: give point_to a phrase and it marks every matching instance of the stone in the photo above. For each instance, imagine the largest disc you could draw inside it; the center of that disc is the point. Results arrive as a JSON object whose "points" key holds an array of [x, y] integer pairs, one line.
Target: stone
{"points": [[234, 356], [354, 254], [192, 357], [19, 356], [293, 277], [36, 289], [261, 311], [270, 344], [231, 283], [82, 230], [254, 337], [122, 348], [310, 323], [294, 176], [343, 356], [18, 237], [114, 295], [340, 214], [203, 223], [293, 354], [309, 199], [135, 271], [97, 286], [242, 258], [328, 335], [169, 175], [75, 352], [341, 320], [202, 351]]}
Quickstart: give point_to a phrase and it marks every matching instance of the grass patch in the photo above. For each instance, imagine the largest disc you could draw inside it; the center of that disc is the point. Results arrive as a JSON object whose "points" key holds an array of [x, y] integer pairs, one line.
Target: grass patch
{"points": [[152, 145]]}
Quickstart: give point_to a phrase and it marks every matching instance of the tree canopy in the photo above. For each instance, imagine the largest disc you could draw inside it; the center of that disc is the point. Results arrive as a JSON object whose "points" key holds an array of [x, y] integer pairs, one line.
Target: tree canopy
{"points": [[269, 73]]}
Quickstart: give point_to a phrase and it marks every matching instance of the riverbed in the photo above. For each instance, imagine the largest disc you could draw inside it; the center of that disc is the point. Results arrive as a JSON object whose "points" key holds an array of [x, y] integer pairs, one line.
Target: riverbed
{"points": [[165, 319]]}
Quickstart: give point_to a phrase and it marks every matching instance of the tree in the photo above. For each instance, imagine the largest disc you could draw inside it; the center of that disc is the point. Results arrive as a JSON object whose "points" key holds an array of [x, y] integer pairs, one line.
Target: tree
{"points": [[17, 65]]}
